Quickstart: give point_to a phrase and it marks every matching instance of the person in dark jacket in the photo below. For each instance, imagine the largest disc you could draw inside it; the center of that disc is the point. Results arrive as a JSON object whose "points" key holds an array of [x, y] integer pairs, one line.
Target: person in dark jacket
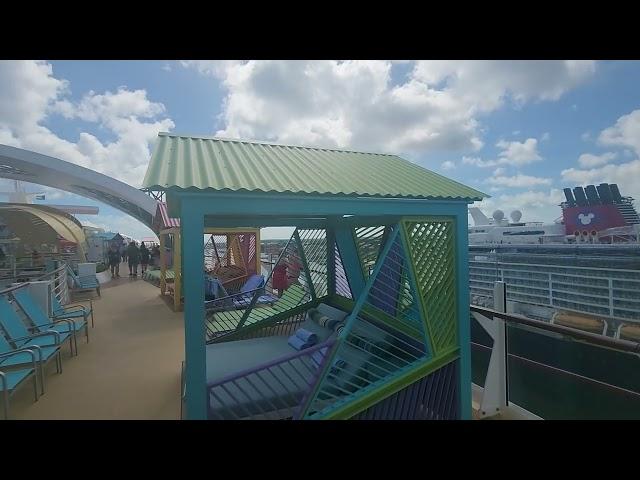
{"points": [[144, 257], [114, 261], [133, 254]]}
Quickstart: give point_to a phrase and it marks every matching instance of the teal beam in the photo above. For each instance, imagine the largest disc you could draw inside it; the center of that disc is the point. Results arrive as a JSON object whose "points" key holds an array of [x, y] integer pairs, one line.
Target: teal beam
{"points": [[256, 222], [226, 204], [192, 223], [464, 321], [331, 260], [350, 259]]}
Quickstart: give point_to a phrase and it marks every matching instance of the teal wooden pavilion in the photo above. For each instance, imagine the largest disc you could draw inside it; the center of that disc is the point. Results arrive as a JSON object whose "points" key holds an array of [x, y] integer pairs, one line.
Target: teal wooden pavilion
{"points": [[382, 246]]}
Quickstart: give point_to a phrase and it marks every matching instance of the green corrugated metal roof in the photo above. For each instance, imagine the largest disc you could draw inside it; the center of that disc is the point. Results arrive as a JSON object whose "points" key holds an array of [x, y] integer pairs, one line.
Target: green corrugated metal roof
{"points": [[238, 165]]}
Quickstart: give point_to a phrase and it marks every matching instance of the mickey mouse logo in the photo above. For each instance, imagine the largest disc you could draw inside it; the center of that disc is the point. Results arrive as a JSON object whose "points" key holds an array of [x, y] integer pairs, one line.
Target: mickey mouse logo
{"points": [[586, 219]]}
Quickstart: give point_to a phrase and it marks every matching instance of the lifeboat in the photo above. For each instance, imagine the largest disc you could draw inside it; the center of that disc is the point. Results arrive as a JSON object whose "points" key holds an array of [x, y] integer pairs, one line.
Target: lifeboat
{"points": [[580, 322]]}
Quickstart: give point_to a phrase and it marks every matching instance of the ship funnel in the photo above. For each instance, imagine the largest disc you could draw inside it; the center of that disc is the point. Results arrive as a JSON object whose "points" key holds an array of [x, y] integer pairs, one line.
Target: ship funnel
{"points": [[592, 195], [516, 215], [605, 193], [581, 198], [615, 193], [569, 196]]}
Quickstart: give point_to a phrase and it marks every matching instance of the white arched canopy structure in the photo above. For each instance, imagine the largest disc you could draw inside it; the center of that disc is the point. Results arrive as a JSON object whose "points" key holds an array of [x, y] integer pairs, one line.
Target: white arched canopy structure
{"points": [[28, 166]]}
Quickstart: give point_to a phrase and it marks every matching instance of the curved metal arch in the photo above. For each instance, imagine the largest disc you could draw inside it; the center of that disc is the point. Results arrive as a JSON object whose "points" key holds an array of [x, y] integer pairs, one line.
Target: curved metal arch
{"points": [[28, 166]]}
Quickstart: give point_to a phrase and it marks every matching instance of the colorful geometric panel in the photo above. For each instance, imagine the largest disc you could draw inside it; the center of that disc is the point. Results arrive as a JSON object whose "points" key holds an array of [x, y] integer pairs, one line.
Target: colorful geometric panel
{"points": [[368, 243], [383, 338], [434, 397], [342, 282], [431, 248], [314, 247]]}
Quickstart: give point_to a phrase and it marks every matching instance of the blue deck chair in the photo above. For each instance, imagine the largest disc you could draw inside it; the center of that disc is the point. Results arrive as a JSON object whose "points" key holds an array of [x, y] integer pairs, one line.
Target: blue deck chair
{"points": [[84, 282], [11, 358], [71, 311], [42, 323], [10, 381], [18, 334]]}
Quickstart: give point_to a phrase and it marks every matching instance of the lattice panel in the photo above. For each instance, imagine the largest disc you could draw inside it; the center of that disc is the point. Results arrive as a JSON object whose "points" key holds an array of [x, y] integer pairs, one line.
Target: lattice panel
{"points": [[368, 243], [314, 246], [295, 292], [432, 251], [342, 282], [383, 338], [434, 397]]}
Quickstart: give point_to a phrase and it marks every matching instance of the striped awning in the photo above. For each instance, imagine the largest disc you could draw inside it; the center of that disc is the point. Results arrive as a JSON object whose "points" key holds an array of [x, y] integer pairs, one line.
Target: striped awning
{"points": [[163, 220]]}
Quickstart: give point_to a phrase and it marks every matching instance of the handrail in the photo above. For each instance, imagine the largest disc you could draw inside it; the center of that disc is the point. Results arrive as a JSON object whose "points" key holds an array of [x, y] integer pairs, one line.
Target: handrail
{"points": [[14, 288], [594, 338]]}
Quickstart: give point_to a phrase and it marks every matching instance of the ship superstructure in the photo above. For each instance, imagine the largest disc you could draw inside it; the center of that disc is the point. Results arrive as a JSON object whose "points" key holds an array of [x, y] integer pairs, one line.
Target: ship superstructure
{"points": [[584, 269]]}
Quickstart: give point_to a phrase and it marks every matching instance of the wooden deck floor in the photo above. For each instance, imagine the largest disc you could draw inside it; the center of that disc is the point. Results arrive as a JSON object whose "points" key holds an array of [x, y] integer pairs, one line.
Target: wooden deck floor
{"points": [[130, 369]]}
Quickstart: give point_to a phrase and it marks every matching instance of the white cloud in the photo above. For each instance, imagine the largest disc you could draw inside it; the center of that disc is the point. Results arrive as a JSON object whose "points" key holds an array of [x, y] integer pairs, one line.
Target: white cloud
{"points": [[518, 181], [519, 153], [356, 104], [545, 137], [448, 165], [540, 206], [30, 93], [589, 160], [513, 153], [625, 133], [626, 175], [478, 162], [499, 171]]}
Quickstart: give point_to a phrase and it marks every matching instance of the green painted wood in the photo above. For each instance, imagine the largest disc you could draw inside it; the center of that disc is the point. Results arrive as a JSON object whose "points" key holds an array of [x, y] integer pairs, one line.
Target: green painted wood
{"points": [[248, 166]]}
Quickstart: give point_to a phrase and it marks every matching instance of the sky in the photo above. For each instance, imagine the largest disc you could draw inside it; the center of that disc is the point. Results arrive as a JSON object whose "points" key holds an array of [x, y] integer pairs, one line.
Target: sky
{"points": [[519, 131]]}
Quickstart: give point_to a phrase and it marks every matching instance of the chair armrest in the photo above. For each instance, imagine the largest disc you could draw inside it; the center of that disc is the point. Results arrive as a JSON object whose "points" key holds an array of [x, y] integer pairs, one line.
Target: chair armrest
{"points": [[18, 351], [55, 322], [48, 333], [24, 350]]}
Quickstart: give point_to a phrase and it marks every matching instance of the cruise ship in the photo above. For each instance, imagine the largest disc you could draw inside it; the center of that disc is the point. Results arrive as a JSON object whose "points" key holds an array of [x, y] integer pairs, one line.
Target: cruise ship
{"points": [[581, 271]]}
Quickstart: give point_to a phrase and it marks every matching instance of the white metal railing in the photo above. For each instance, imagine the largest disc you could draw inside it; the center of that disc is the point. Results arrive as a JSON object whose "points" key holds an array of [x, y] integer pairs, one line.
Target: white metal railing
{"points": [[493, 398], [59, 283]]}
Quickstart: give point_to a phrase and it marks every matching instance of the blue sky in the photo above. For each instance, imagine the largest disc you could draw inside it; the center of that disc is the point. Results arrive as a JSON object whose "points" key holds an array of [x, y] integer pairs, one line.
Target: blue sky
{"points": [[519, 131]]}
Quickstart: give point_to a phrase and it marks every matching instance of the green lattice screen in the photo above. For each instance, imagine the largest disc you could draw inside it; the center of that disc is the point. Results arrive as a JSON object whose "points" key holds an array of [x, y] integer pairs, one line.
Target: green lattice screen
{"points": [[432, 250], [368, 243], [384, 337], [314, 247]]}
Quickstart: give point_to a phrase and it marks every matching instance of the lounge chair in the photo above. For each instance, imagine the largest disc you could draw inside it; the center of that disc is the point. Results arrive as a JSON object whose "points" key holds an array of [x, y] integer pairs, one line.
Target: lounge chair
{"points": [[11, 380], [12, 358], [254, 284], [72, 311], [19, 335], [41, 322], [84, 282], [227, 320]]}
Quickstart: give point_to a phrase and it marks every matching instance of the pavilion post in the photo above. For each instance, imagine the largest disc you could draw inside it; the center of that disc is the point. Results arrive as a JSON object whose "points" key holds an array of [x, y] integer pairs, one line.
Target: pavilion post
{"points": [[331, 260], [464, 320], [192, 222]]}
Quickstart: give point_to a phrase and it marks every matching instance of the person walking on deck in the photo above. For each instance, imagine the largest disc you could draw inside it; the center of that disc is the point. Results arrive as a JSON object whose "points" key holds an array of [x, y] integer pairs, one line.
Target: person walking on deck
{"points": [[144, 257], [123, 252], [133, 254], [114, 261]]}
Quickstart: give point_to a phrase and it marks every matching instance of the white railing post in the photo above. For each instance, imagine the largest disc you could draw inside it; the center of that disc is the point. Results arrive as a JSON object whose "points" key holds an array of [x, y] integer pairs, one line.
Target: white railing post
{"points": [[495, 395]]}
